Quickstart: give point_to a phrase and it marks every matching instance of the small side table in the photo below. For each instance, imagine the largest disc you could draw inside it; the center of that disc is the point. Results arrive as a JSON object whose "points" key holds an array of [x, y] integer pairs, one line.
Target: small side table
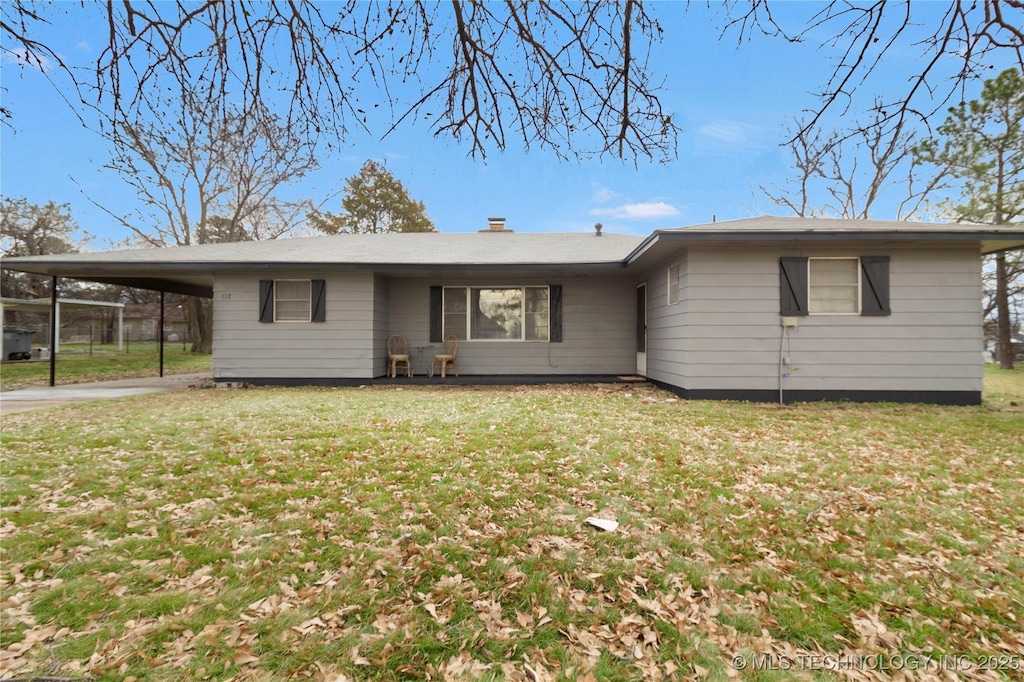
{"points": [[420, 361]]}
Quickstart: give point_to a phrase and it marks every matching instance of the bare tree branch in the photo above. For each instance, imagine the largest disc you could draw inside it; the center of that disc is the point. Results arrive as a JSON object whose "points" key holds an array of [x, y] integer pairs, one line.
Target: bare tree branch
{"points": [[554, 73], [830, 179], [966, 43]]}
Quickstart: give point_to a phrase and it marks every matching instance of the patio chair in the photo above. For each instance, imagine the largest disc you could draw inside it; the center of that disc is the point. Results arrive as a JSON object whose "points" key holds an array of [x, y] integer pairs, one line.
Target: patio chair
{"points": [[446, 357], [398, 354]]}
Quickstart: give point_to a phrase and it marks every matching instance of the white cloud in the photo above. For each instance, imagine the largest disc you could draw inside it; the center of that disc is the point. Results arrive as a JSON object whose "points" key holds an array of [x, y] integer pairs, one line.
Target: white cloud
{"points": [[644, 211], [604, 195], [727, 137]]}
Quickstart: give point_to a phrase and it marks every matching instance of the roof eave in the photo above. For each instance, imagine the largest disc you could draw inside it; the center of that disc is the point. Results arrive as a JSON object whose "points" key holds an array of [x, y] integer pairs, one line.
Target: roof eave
{"points": [[989, 241]]}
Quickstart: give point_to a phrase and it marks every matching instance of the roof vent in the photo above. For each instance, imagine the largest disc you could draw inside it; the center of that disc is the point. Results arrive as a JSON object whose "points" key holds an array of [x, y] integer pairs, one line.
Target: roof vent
{"points": [[496, 225], [597, 228]]}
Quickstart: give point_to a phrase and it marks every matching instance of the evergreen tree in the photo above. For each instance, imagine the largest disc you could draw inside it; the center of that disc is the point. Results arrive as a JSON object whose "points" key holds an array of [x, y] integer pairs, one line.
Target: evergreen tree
{"points": [[982, 146], [375, 202]]}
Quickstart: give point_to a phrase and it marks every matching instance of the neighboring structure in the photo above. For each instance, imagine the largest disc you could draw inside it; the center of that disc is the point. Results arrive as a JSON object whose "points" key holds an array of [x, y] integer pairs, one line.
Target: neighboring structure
{"points": [[43, 306], [762, 309], [142, 323]]}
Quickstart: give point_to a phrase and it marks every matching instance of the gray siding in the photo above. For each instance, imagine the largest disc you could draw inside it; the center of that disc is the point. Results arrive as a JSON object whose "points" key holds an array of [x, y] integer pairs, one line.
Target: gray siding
{"points": [[598, 317], [342, 347], [668, 332], [732, 337], [381, 323], [364, 308]]}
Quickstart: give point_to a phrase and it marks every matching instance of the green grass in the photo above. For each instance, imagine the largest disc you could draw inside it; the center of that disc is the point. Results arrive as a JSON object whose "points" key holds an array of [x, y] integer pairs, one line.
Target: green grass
{"points": [[75, 365], [404, 533], [1004, 386]]}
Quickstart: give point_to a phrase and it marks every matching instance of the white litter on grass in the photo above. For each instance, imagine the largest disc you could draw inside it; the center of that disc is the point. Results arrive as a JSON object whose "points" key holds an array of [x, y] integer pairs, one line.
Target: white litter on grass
{"points": [[603, 524]]}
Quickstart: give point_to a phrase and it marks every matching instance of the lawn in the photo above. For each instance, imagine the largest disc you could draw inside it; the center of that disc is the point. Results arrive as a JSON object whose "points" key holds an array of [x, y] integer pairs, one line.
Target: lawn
{"points": [[77, 364], [439, 533]]}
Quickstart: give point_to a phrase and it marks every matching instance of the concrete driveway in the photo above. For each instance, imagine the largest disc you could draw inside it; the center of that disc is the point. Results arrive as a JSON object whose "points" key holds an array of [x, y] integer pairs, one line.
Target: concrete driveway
{"points": [[37, 398]]}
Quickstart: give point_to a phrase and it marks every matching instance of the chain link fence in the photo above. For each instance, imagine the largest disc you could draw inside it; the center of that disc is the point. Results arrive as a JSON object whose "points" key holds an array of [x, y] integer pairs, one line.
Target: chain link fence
{"points": [[136, 331]]}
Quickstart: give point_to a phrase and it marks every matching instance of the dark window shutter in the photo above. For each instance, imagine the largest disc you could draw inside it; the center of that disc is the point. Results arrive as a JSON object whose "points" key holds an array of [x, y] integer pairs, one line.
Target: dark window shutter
{"points": [[793, 286], [318, 302], [874, 288], [436, 312], [266, 300], [555, 313]]}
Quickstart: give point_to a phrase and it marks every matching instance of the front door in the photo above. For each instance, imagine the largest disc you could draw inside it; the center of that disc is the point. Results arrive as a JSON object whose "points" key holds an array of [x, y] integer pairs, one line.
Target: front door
{"points": [[641, 329]]}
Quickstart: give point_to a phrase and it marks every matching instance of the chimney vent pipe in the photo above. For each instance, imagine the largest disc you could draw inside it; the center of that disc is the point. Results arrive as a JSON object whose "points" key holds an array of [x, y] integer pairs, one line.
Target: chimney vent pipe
{"points": [[496, 225]]}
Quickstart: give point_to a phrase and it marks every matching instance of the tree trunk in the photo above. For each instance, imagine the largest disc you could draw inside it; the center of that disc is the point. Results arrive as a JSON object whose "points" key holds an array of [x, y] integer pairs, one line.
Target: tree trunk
{"points": [[200, 315], [1004, 346]]}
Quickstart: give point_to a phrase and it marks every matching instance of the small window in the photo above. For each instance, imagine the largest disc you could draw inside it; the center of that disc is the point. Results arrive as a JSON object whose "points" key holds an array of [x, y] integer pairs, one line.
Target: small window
{"points": [[673, 285], [833, 286], [291, 300]]}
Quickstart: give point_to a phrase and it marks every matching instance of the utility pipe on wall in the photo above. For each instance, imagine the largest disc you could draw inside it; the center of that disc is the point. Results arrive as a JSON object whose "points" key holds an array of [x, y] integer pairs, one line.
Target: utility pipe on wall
{"points": [[54, 329]]}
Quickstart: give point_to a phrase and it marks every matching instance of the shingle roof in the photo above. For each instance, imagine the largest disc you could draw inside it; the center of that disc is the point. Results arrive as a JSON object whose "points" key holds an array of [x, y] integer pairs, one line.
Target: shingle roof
{"points": [[437, 248], [778, 230], [794, 224], [189, 269]]}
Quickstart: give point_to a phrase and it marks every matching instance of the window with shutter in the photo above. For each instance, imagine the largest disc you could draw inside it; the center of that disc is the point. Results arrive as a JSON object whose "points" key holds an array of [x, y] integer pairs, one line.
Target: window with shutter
{"points": [[496, 313], [840, 285], [293, 300]]}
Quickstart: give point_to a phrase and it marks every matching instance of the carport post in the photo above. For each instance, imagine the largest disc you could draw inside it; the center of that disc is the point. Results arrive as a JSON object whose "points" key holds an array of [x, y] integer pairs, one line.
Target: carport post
{"points": [[54, 323], [162, 333]]}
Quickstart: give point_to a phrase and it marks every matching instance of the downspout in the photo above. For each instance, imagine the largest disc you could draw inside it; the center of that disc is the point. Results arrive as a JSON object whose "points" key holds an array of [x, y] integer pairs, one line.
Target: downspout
{"points": [[162, 333], [782, 357], [54, 323]]}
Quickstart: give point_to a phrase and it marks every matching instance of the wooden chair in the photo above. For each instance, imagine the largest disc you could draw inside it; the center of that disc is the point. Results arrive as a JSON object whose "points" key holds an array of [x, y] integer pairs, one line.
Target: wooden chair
{"points": [[398, 354], [449, 347]]}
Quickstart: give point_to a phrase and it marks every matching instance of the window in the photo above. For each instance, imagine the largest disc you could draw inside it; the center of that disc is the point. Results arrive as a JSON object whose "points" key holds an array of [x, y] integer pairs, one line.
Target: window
{"points": [[455, 311], [292, 300], [497, 313], [833, 286], [673, 285]]}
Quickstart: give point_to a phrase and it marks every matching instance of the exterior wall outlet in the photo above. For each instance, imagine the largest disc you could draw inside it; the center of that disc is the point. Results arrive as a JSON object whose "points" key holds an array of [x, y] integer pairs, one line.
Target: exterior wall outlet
{"points": [[790, 321]]}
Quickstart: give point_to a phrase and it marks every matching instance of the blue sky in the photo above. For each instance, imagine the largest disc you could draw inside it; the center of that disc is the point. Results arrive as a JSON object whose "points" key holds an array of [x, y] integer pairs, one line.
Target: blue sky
{"points": [[732, 103]]}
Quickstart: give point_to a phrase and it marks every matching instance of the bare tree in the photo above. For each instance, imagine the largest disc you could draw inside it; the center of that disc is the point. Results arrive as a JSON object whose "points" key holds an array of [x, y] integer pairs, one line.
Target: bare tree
{"points": [[971, 37], [28, 229], [568, 76], [844, 173], [572, 77], [207, 177]]}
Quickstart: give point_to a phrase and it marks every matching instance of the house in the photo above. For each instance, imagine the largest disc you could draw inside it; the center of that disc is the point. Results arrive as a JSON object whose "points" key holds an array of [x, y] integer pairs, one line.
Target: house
{"points": [[142, 322], [761, 309]]}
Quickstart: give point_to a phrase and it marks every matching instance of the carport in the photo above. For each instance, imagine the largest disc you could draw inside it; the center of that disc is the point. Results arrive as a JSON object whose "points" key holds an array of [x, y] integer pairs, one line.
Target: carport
{"points": [[109, 268]]}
